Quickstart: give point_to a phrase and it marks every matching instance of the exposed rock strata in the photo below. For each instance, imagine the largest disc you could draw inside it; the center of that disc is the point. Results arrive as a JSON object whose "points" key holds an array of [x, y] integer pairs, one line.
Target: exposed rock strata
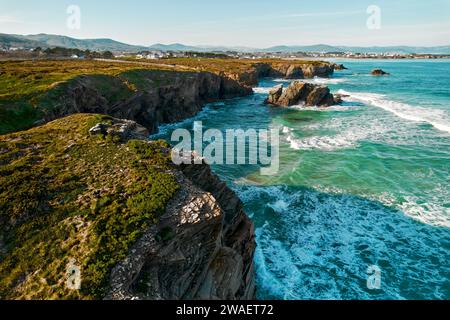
{"points": [[181, 96], [151, 105], [294, 70], [201, 249]]}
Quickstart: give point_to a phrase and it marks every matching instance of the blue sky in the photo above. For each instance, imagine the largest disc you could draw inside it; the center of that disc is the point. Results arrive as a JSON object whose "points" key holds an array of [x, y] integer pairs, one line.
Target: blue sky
{"points": [[252, 23]]}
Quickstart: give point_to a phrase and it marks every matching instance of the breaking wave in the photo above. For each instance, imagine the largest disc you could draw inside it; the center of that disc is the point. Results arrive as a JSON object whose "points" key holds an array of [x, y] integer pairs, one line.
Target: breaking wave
{"points": [[437, 118]]}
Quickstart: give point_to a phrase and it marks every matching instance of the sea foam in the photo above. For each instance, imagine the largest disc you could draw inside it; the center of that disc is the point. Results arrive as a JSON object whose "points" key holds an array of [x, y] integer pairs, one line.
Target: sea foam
{"points": [[318, 246], [437, 118]]}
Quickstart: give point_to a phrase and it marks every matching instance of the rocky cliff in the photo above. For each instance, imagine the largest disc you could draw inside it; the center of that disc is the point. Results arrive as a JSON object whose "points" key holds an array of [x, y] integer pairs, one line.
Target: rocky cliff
{"points": [[285, 69], [153, 98], [205, 248], [89, 196], [90, 209], [151, 94]]}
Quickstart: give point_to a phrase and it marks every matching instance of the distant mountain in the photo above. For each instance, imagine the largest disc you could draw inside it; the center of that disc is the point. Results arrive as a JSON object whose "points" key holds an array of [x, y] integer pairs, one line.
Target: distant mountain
{"points": [[401, 49], [8, 40], [90, 44], [314, 48], [173, 47], [47, 40], [182, 47]]}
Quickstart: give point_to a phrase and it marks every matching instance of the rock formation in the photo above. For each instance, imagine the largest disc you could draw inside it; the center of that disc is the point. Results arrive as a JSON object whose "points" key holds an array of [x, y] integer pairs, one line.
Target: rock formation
{"points": [[301, 93], [338, 66], [207, 255], [152, 104], [294, 70], [379, 72]]}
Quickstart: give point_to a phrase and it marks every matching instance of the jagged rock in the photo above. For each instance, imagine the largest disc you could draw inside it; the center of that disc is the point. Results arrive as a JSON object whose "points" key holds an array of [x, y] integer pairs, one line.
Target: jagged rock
{"points": [[301, 93], [379, 72], [338, 66], [338, 98], [292, 70], [320, 96], [275, 94], [123, 129], [98, 129], [295, 93]]}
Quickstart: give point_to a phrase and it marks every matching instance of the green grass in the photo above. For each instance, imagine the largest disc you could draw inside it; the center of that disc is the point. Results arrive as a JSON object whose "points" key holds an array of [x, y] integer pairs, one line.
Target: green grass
{"points": [[66, 195]]}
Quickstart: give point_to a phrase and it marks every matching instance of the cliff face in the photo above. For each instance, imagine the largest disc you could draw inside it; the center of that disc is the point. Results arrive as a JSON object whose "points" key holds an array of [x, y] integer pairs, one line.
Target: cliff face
{"points": [[201, 249], [89, 191], [180, 95], [284, 69], [153, 98], [293, 70]]}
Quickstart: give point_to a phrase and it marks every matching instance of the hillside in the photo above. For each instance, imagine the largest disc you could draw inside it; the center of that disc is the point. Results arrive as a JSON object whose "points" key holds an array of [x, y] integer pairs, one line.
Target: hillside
{"points": [[50, 41]]}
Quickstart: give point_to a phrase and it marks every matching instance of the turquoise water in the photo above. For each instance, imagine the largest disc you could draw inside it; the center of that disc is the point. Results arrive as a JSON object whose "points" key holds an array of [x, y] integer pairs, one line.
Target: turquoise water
{"points": [[365, 183]]}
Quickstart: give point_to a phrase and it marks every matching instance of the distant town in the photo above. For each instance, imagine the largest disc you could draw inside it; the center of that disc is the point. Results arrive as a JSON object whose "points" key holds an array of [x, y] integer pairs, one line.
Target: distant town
{"points": [[8, 53]]}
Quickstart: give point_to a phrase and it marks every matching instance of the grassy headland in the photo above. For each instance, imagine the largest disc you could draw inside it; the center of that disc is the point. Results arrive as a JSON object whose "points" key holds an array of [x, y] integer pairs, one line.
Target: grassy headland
{"points": [[66, 195], [29, 89]]}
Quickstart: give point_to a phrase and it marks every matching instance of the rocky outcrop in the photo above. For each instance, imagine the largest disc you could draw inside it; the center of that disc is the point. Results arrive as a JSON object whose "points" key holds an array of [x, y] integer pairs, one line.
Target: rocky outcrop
{"points": [[301, 93], [295, 70], [301, 71], [202, 247], [287, 69], [124, 130], [338, 66], [275, 94], [379, 72]]}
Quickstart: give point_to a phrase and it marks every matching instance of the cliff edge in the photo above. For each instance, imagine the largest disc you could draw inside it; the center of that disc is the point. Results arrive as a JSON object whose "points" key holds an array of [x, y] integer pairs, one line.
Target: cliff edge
{"points": [[90, 209]]}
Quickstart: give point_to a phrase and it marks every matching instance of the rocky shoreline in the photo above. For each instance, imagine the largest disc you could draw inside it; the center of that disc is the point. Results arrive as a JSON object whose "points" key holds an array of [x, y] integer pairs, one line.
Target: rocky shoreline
{"points": [[152, 105], [202, 245]]}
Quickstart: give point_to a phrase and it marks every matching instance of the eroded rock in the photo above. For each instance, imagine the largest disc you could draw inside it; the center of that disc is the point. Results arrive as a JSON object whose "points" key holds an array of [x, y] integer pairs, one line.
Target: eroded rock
{"points": [[123, 129], [301, 93], [379, 72]]}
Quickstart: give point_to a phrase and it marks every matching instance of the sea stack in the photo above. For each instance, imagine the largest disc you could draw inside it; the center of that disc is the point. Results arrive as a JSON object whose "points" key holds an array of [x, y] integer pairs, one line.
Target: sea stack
{"points": [[301, 93], [379, 72]]}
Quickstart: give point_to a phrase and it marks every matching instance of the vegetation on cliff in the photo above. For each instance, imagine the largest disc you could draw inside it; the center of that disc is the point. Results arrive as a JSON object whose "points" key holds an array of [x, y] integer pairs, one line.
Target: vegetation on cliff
{"points": [[29, 90], [69, 197]]}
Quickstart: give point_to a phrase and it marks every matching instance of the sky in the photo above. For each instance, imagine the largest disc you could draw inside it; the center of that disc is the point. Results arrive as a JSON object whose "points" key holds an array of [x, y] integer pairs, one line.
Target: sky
{"points": [[246, 23]]}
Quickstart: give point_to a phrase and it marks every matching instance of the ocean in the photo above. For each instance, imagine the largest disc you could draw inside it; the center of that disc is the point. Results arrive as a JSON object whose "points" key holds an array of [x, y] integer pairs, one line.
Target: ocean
{"points": [[362, 184]]}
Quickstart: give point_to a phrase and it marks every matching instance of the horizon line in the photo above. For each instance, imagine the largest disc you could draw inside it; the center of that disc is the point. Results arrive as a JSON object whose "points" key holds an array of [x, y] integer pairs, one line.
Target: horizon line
{"points": [[226, 46]]}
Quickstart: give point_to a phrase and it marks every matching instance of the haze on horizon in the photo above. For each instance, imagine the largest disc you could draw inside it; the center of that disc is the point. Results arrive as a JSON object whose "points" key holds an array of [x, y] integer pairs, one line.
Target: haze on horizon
{"points": [[247, 23]]}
